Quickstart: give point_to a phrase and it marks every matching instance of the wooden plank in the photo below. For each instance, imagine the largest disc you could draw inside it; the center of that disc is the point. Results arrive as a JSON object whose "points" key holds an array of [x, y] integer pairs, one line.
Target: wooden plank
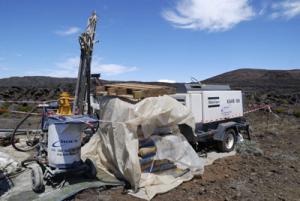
{"points": [[100, 88], [133, 85], [121, 91], [137, 91], [138, 95], [136, 86], [111, 91]]}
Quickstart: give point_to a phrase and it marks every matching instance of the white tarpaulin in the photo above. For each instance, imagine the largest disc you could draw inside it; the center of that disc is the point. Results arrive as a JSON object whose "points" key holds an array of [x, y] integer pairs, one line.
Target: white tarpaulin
{"points": [[7, 164], [114, 149]]}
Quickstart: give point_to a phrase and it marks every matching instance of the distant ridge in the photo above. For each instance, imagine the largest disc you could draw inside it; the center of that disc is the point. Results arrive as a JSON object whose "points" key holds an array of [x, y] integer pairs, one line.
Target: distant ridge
{"points": [[246, 77], [35, 81]]}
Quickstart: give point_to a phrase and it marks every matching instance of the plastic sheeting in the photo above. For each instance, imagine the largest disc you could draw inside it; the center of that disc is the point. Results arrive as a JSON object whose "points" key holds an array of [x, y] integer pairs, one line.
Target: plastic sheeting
{"points": [[114, 149], [176, 148], [72, 119], [7, 164], [19, 187]]}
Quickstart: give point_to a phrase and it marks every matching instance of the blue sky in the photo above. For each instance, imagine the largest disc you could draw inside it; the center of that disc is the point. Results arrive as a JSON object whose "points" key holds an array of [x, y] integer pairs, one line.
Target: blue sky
{"points": [[149, 40]]}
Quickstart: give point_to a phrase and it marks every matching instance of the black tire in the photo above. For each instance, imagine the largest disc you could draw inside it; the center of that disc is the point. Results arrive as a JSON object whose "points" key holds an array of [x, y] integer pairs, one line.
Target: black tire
{"points": [[37, 179], [229, 140], [92, 172]]}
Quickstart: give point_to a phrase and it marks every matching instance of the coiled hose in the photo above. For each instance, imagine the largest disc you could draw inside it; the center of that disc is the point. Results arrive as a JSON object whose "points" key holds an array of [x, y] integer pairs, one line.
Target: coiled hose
{"points": [[16, 129]]}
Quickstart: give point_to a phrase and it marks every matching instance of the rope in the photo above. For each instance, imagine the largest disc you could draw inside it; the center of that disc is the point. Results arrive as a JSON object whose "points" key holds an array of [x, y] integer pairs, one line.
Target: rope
{"points": [[17, 112], [26, 101], [260, 107]]}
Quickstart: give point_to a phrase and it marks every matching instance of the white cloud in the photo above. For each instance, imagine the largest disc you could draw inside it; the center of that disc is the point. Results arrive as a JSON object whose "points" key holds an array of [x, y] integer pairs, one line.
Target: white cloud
{"points": [[69, 68], [286, 9], [166, 80], [68, 64], [113, 69], [211, 15], [68, 31]]}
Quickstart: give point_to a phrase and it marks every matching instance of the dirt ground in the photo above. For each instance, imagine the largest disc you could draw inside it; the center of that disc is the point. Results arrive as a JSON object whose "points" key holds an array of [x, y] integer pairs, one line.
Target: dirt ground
{"points": [[270, 174]]}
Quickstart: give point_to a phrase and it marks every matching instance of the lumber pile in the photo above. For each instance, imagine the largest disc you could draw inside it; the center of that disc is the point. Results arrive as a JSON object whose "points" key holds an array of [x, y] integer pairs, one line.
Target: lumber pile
{"points": [[134, 90], [148, 162]]}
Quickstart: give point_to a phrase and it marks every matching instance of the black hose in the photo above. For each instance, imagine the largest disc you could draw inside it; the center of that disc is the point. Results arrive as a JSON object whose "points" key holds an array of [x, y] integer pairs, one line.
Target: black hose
{"points": [[16, 129], [23, 163]]}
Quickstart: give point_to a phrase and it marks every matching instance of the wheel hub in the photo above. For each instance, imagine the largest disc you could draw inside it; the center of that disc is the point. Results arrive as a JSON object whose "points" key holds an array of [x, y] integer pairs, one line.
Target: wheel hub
{"points": [[229, 141]]}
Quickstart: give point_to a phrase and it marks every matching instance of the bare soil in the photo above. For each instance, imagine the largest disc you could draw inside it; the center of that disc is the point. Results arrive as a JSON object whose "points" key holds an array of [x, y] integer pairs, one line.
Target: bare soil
{"points": [[272, 175]]}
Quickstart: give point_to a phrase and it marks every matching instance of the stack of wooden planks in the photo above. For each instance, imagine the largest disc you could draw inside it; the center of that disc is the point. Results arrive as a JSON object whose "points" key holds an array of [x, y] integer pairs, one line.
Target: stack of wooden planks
{"points": [[134, 90]]}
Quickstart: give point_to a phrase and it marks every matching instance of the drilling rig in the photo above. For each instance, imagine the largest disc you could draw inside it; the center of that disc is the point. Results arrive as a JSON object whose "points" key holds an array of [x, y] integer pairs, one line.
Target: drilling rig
{"points": [[58, 147]]}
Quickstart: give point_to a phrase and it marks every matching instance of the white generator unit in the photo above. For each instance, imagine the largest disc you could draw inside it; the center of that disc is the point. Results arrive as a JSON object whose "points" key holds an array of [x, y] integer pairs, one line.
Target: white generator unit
{"points": [[218, 113]]}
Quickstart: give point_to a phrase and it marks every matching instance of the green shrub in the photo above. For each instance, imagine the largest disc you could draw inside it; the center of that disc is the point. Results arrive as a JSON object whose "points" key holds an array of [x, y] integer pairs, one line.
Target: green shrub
{"points": [[5, 106], [284, 101], [297, 114], [5, 115], [24, 108], [279, 110]]}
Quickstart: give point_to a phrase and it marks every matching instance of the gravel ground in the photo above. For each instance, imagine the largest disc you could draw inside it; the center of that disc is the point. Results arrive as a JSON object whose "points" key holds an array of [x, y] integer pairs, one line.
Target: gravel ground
{"points": [[268, 168]]}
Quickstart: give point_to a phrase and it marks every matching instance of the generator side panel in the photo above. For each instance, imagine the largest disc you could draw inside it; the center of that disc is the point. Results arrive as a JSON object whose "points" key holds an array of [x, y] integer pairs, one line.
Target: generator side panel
{"points": [[193, 102], [221, 105]]}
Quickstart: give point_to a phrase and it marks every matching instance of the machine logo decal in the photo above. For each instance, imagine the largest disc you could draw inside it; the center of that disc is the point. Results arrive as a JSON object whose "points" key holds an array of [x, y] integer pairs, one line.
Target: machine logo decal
{"points": [[237, 100], [226, 111], [62, 143]]}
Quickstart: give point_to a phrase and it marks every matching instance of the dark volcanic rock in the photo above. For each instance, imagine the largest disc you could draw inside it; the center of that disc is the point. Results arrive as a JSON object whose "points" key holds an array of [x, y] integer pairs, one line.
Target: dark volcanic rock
{"points": [[258, 78], [36, 81], [276, 87], [34, 87]]}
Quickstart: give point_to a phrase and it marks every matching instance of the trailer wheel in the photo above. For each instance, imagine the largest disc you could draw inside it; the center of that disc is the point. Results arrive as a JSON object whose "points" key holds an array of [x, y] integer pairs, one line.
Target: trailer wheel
{"points": [[92, 172], [229, 140], [37, 179]]}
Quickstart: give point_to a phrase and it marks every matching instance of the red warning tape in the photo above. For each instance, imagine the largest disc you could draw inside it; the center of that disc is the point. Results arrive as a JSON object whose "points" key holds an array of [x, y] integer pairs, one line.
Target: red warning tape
{"points": [[26, 101], [260, 107], [17, 112]]}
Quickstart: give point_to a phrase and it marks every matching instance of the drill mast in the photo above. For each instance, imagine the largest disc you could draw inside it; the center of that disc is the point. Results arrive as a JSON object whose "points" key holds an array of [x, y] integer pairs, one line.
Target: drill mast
{"points": [[82, 91]]}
